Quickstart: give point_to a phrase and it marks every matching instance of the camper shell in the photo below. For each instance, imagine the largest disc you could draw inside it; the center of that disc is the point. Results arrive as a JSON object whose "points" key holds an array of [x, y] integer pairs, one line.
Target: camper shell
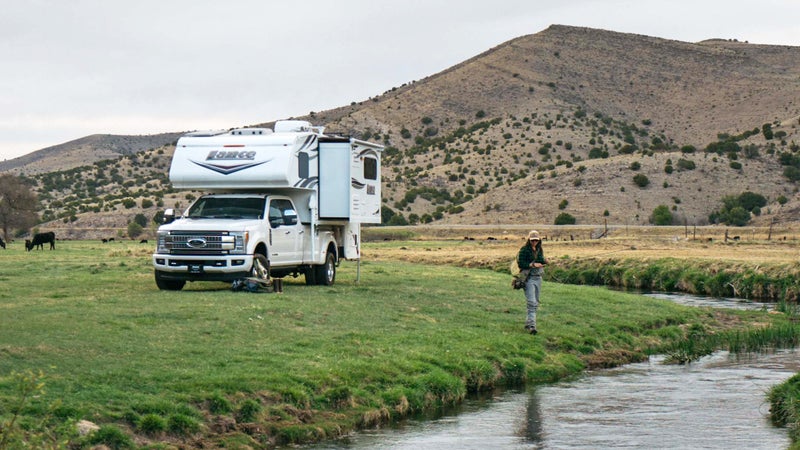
{"points": [[293, 195]]}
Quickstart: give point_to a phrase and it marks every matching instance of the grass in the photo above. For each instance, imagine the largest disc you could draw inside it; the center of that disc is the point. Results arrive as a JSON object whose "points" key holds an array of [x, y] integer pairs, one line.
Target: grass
{"points": [[785, 407], [649, 258], [214, 366]]}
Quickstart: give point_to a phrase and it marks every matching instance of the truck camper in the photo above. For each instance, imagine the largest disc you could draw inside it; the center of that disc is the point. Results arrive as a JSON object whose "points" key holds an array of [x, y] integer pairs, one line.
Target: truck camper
{"points": [[288, 201]]}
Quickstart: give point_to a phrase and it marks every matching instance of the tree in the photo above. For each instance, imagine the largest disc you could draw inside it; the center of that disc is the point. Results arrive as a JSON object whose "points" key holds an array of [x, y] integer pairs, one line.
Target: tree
{"points": [[18, 204], [134, 230], [661, 216], [158, 217], [565, 219], [737, 217], [736, 209], [141, 220], [750, 200]]}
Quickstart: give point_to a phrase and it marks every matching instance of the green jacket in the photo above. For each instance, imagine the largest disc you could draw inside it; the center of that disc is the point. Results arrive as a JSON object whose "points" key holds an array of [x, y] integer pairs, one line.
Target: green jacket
{"points": [[526, 256]]}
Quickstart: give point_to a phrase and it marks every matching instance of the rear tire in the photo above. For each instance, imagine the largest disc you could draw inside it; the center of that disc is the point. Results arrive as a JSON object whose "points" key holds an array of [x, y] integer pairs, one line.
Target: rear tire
{"points": [[169, 285], [311, 275], [325, 274]]}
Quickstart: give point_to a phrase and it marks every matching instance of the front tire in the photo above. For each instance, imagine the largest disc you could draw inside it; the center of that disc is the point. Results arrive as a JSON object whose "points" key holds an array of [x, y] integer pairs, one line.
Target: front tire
{"points": [[169, 285], [260, 269]]}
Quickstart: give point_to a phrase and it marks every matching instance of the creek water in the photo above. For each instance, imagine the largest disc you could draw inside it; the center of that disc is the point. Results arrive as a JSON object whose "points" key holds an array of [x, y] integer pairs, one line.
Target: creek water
{"points": [[718, 402]]}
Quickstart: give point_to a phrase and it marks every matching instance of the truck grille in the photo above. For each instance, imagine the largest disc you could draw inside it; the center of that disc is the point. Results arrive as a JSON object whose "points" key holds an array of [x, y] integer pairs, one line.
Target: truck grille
{"points": [[200, 243]]}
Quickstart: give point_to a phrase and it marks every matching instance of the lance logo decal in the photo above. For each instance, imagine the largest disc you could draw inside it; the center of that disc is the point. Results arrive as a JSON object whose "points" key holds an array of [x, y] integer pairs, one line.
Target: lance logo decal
{"points": [[228, 162]]}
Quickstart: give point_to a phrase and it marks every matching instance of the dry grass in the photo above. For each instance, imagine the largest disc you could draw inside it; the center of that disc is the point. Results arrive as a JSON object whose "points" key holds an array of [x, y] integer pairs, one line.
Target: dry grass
{"points": [[496, 247]]}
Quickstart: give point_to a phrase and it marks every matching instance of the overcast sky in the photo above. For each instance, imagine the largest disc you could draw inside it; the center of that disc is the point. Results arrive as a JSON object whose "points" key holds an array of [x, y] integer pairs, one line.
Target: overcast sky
{"points": [[80, 67]]}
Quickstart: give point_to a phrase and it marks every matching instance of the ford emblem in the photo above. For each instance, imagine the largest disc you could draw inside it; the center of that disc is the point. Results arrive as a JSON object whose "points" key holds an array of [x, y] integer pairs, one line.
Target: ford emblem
{"points": [[196, 243]]}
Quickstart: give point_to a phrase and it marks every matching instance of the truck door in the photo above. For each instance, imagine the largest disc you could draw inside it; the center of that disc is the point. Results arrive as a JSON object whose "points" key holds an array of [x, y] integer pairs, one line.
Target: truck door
{"points": [[286, 232]]}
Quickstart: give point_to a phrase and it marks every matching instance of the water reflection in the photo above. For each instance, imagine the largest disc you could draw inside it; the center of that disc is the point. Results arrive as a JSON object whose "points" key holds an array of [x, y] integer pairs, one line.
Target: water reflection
{"points": [[717, 402], [712, 302]]}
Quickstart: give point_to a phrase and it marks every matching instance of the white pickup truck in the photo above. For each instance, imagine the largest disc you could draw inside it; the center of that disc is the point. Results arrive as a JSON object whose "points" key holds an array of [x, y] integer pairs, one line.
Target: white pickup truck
{"points": [[284, 202]]}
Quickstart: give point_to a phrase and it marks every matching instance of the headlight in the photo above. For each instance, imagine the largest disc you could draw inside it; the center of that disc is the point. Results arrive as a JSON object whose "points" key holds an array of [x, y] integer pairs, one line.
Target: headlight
{"points": [[239, 242], [161, 245]]}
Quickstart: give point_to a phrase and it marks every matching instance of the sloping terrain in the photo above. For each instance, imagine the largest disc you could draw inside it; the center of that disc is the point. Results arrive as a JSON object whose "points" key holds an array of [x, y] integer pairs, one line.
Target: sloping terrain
{"points": [[85, 150], [559, 122]]}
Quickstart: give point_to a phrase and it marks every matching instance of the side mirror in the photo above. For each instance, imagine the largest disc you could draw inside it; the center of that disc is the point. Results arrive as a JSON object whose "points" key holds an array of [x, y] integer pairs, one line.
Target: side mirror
{"points": [[169, 215]]}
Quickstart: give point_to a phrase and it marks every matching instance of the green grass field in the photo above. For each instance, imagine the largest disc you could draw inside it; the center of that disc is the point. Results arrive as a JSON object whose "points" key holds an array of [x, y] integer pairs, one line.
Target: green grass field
{"points": [[242, 369]]}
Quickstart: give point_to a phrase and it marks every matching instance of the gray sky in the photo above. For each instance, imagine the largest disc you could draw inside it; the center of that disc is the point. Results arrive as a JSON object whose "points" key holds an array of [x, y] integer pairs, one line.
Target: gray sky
{"points": [[80, 67]]}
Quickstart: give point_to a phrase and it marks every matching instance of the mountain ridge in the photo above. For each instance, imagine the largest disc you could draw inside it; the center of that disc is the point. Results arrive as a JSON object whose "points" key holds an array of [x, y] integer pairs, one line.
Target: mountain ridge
{"points": [[571, 114]]}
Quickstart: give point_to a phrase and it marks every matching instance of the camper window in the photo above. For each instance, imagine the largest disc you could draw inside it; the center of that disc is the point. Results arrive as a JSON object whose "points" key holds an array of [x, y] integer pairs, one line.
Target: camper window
{"points": [[370, 168]]}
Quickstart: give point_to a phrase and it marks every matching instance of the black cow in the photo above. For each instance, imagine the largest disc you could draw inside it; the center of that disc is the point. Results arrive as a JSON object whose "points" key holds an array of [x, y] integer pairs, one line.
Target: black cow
{"points": [[39, 239], [2, 244]]}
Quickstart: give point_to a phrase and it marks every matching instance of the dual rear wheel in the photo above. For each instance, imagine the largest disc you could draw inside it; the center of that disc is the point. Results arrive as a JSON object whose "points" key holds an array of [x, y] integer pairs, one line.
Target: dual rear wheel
{"points": [[323, 274]]}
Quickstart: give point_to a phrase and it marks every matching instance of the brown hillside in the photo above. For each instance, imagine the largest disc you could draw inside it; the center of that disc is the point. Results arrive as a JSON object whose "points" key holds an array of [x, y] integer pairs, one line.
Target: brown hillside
{"points": [[680, 93], [555, 122], [85, 151], [689, 91]]}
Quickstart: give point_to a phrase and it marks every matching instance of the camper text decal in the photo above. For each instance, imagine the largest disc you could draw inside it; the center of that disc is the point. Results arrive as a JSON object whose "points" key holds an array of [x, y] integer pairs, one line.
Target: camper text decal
{"points": [[216, 157]]}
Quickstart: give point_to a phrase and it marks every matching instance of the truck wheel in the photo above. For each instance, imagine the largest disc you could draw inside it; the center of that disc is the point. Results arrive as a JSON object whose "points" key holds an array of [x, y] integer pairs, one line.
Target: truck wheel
{"points": [[169, 285], [325, 274], [260, 267], [311, 275]]}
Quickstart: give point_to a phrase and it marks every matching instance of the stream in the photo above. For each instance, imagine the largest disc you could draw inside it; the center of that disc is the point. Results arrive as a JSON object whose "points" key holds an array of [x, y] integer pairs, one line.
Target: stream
{"points": [[718, 402]]}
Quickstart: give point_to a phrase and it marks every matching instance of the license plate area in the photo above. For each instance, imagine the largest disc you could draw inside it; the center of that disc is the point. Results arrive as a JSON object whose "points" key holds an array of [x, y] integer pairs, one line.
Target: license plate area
{"points": [[195, 268]]}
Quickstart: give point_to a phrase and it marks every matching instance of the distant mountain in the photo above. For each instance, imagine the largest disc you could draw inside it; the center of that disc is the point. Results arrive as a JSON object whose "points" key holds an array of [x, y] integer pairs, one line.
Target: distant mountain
{"points": [[555, 123], [85, 150]]}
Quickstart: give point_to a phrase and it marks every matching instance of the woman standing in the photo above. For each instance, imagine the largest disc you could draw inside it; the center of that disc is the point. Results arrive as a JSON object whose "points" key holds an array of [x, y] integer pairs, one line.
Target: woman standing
{"points": [[531, 258]]}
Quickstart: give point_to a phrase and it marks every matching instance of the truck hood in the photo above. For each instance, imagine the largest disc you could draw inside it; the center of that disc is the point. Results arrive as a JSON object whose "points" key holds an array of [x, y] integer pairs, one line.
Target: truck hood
{"points": [[212, 225]]}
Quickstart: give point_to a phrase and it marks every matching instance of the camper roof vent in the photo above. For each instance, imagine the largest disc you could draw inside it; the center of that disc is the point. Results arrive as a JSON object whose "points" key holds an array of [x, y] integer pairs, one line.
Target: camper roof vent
{"points": [[292, 126], [251, 131]]}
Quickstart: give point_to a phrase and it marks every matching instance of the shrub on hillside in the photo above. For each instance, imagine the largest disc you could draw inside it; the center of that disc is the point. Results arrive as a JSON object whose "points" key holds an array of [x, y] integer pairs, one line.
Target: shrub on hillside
{"points": [[661, 216], [686, 164], [641, 180], [736, 209], [564, 219]]}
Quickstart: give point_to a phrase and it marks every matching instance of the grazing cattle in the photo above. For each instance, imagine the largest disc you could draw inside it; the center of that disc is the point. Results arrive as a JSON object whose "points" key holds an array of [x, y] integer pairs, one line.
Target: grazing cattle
{"points": [[104, 240], [143, 241], [2, 244], [39, 239]]}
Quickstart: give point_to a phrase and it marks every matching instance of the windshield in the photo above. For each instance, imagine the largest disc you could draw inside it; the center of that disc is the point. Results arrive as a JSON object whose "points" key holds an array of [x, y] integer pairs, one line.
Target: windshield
{"points": [[227, 208]]}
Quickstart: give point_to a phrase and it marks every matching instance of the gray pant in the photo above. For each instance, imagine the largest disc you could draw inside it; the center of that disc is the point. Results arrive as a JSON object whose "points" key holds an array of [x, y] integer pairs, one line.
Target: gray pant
{"points": [[533, 286]]}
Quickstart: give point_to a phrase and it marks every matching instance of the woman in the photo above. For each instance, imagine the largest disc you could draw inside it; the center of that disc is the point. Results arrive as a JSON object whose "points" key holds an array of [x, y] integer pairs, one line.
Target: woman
{"points": [[531, 258]]}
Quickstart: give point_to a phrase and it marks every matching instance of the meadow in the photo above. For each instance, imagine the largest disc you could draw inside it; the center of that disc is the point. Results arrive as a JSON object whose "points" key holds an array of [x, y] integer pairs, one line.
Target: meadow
{"points": [[86, 335], [753, 263]]}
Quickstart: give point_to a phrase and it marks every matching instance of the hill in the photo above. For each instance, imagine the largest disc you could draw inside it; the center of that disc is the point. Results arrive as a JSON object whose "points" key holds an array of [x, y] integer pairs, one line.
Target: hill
{"points": [[85, 150], [558, 122]]}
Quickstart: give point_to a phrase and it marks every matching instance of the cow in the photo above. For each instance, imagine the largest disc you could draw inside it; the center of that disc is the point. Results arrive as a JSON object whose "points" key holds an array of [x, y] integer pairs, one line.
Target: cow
{"points": [[39, 239], [143, 241], [2, 244]]}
